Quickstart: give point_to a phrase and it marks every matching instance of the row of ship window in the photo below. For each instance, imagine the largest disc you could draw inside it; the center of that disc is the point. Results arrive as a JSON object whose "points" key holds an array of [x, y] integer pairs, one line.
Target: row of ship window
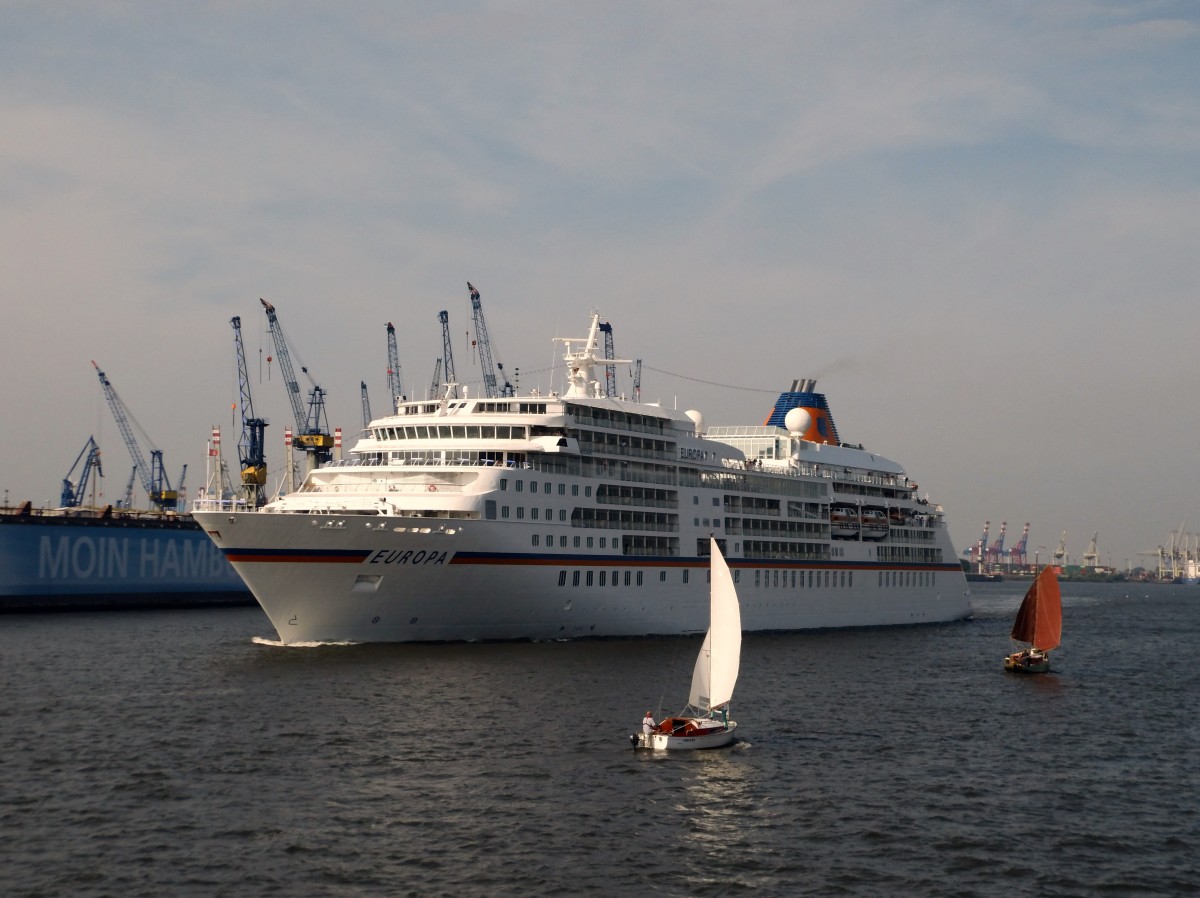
{"points": [[459, 405], [547, 487], [453, 432], [762, 578]]}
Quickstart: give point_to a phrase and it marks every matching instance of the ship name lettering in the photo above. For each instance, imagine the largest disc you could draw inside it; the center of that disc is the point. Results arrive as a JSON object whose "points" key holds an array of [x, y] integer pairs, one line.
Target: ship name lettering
{"points": [[408, 556], [693, 454]]}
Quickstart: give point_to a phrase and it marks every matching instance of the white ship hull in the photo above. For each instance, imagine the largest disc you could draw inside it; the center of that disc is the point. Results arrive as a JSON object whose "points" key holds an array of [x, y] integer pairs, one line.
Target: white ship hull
{"points": [[335, 578], [581, 515]]}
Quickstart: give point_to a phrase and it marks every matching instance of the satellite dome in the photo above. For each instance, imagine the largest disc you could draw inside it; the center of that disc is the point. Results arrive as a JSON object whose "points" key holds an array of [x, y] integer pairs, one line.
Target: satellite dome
{"points": [[797, 421]]}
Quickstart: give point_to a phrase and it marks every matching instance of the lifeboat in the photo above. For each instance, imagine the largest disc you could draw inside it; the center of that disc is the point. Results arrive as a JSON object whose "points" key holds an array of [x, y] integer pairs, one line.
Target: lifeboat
{"points": [[843, 522], [874, 523]]}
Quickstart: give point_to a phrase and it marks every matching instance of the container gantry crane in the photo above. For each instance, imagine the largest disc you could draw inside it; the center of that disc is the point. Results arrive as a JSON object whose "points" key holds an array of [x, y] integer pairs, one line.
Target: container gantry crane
{"points": [[154, 478], [72, 491], [980, 548], [1017, 555], [395, 383], [995, 552], [312, 428], [483, 343], [252, 445], [1060, 554]]}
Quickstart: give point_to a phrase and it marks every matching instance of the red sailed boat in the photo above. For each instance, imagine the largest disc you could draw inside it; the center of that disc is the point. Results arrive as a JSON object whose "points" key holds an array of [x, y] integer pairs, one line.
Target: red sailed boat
{"points": [[1038, 623]]}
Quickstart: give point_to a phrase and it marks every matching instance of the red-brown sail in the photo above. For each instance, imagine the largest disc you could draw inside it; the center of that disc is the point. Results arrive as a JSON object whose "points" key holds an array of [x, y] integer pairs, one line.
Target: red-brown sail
{"points": [[1039, 620]]}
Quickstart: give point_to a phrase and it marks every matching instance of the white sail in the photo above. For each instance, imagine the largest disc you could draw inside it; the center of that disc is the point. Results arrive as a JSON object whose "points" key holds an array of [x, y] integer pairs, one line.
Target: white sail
{"points": [[721, 654]]}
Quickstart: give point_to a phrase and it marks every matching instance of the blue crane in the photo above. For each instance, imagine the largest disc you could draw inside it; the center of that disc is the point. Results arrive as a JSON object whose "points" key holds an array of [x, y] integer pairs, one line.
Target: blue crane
{"points": [[610, 371], [395, 383], [995, 552], [252, 445], [484, 345], [73, 492], [154, 478], [312, 427], [436, 386]]}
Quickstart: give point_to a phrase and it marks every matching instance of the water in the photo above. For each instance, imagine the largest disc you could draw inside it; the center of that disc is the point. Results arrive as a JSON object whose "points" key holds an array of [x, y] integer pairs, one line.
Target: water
{"points": [[167, 753]]}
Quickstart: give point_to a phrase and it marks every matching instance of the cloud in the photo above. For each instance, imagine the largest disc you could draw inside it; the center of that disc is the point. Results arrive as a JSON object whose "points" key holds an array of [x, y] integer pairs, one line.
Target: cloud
{"points": [[965, 218]]}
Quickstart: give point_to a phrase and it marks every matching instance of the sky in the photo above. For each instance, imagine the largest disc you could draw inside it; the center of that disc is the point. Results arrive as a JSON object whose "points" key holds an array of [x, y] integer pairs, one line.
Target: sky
{"points": [[974, 223]]}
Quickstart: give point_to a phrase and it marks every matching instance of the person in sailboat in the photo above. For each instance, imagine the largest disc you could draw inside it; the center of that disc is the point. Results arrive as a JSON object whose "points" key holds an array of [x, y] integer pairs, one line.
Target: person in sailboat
{"points": [[648, 723]]}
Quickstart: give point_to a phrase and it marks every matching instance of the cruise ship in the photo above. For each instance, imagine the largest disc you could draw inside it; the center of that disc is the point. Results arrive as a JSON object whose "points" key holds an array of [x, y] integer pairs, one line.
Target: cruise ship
{"points": [[575, 514]]}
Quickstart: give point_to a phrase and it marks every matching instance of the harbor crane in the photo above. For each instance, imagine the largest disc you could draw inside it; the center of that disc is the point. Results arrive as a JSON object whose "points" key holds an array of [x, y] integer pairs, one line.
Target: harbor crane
{"points": [[72, 491], [637, 381], [126, 501], [483, 345], [1091, 558], [1179, 551], [995, 552], [447, 366], [312, 427], [610, 371], [980, 548], [395, 384], [1060, 554], [252, 445], [1177, 558], [154, 478], [366, 403], [436, 385], [1017, 555]]}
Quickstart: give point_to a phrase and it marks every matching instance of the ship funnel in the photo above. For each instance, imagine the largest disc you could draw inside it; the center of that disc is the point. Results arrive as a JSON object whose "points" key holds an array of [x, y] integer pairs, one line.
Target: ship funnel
{"points": [[818, 426]]}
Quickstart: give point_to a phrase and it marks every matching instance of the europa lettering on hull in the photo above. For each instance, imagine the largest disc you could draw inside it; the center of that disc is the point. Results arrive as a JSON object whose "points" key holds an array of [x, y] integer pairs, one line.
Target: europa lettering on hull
{"points": [[408, 556]]}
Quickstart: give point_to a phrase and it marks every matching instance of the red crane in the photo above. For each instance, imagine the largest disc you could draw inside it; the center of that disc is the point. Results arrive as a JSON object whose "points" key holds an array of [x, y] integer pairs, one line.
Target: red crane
{"points": [[1017, 554], [995, 552]]}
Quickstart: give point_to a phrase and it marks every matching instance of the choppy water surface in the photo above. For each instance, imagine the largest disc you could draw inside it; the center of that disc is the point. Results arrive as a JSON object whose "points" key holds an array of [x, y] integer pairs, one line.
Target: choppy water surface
{"points": [[167, 753]]}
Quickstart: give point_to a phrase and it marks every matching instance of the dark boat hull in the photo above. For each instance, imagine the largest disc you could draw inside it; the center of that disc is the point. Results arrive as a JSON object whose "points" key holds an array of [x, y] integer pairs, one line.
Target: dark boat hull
{"points": [[1024, 662]]}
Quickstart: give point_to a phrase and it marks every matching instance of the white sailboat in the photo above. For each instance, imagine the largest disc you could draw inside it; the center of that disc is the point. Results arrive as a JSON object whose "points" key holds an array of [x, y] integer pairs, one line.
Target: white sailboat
{"points": [[705, 721]]}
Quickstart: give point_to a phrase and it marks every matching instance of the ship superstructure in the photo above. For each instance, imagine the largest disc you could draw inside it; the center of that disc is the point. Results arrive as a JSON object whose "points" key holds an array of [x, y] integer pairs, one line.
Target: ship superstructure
{"points": [[580, 515]]}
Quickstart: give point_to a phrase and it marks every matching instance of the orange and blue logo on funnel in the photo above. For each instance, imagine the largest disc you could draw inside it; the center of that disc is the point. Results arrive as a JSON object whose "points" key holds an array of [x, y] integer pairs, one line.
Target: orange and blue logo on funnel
{"points": [[820, 427]]}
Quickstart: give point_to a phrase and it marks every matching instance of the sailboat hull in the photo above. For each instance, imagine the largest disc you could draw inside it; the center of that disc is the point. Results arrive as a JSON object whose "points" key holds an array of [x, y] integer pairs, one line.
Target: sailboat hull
{"points": [[1028, 662], [718, 738]]}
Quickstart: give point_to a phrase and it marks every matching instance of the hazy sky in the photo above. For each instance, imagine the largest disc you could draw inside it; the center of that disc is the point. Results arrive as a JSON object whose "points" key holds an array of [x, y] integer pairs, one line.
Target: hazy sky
{"points": [[975, 223]]}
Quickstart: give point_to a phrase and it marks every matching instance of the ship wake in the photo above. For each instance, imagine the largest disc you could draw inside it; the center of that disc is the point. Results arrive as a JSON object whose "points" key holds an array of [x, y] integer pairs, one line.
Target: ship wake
{"points": [[277, 643]]}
